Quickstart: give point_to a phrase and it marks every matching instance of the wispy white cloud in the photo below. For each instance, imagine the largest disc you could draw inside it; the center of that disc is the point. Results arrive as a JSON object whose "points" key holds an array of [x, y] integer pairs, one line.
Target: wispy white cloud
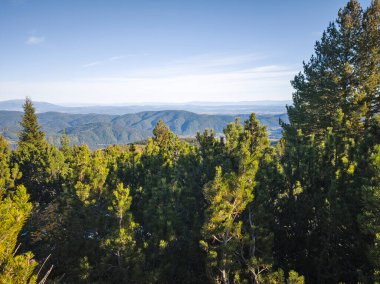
{"points": [[91, 64], [200, 64], [242, 77], [257, 83], [35, 40], [114, 58], [101, 62]]}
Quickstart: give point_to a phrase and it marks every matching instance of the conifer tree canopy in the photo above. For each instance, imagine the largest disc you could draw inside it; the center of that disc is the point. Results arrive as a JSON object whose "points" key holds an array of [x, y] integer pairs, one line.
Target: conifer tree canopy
{"points": [[31, 131]]}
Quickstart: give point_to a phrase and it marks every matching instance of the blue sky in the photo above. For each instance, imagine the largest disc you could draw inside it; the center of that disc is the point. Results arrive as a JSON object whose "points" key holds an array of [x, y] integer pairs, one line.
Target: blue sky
{"points": [[121, 51]]}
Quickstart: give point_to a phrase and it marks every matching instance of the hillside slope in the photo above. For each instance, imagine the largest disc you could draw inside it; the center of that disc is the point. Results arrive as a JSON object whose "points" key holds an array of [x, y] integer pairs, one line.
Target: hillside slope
{"points": [[99, 130]]}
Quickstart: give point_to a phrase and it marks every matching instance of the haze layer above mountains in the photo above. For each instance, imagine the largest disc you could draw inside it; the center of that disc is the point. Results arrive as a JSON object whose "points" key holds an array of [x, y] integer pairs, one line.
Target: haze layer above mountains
{"points": [[99, 126]]}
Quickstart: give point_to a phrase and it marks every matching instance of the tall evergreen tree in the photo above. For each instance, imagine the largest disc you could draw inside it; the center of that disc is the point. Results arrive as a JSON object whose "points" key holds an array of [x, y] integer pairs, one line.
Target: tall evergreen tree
{"points": [[327, 147], [339, 85], [31, 130], [41, 164], [233, 233]]}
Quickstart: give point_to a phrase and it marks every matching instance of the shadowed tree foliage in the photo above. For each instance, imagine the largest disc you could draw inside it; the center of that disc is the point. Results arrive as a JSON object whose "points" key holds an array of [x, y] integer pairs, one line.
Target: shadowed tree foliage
{"points": [[339, 86], [41, 164], [327, 148]]}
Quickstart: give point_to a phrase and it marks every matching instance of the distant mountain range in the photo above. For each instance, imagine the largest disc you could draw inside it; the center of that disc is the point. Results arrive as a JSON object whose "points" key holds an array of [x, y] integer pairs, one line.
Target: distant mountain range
{"points": [[259, 107], [98, 130]]}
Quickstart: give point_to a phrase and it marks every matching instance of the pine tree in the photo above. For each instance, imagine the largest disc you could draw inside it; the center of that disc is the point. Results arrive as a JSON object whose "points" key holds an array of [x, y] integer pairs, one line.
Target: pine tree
{"points": [[31, 130], [41, 164], [233, 233], [160, 194], [339, 85], [65, 145], [122, 259], [227, 197], [327, 147], [369, 63]]}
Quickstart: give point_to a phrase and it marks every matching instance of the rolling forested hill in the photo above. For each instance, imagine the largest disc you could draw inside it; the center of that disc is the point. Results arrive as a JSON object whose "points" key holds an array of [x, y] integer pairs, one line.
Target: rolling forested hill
{"points": [[99, 130]]}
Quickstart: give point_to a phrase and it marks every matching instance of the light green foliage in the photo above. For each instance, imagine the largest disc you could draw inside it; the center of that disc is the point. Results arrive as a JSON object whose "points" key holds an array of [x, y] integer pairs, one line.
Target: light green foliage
{"points": [[295, 278], [65, 145], [85, 269], [229, 233], [121, 203], [90, 171], [14, 210], [228, 197], [232, 133], [5, 172], [120, 246], [278, 277]]}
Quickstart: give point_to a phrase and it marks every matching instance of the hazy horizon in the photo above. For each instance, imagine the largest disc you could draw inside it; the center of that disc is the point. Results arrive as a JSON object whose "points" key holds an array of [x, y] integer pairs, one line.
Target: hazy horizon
{"points": [[214, 103]]}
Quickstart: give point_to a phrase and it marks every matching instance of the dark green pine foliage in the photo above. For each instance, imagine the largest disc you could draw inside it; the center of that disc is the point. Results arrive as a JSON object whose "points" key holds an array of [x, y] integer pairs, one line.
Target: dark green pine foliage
{"points": [[368, 172], [329, 184], [339, 85], [31, 132], [370, 62], [99, 242], [168, 210], [41, 164], [211, 154], [320, 207]]}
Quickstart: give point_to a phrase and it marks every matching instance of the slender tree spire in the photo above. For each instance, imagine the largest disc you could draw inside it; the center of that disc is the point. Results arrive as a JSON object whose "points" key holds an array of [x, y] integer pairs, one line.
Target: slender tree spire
{"points": [[31, 130]]}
